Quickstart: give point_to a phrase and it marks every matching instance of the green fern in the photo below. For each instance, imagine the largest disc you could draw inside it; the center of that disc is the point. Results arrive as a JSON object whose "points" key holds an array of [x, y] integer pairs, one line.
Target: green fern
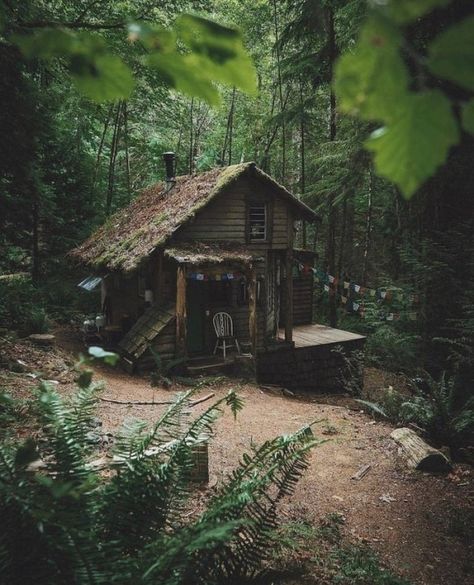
{"points": [[69, 523]]}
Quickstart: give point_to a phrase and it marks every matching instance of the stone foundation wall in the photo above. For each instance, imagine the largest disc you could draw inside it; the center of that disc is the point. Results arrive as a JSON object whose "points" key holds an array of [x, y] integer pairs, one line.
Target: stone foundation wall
{"points": [[330, 368]]}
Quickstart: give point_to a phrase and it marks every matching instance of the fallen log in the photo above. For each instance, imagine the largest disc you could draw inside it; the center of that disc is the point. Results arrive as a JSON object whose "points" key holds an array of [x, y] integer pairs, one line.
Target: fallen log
{"points": [[418, 454], [156, 402]]}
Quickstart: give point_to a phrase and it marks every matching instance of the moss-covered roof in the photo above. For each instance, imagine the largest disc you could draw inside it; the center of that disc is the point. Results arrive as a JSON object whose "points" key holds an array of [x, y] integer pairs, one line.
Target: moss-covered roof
{"points": [[133, 233]]}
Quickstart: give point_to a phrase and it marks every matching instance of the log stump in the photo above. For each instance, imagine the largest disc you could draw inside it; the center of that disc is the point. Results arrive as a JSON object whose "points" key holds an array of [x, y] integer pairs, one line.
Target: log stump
{"points": [[418, 454]]}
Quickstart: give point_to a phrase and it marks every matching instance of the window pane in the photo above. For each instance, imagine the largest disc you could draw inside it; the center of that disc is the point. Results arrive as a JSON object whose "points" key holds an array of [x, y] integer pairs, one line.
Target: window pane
{"points": [[257, 222]]}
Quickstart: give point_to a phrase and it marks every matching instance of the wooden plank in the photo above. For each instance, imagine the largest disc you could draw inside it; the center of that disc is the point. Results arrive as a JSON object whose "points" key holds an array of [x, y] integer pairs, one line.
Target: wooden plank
{"points": [[309, 335]]}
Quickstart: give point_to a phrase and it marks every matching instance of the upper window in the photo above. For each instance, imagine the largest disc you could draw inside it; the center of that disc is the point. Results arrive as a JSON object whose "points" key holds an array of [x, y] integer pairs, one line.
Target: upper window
{"points": [[257, 223]]}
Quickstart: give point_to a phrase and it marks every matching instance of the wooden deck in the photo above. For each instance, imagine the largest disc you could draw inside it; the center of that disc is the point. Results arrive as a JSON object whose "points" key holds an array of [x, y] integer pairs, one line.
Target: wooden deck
{"points": [[309, 335]]}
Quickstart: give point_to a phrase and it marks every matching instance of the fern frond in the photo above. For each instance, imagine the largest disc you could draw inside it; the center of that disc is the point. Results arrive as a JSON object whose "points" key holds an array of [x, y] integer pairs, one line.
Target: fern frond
{"points": [[373, 407]]}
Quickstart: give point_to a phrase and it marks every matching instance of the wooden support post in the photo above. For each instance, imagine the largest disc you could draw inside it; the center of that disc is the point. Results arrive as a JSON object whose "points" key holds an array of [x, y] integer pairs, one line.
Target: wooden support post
{"points": [[181, 311], [253, 308], [289, 296]]}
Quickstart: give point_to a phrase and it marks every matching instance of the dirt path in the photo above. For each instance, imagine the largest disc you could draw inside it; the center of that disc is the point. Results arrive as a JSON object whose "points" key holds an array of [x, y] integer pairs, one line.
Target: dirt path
{"points": [[408, 518], [416, 522]]}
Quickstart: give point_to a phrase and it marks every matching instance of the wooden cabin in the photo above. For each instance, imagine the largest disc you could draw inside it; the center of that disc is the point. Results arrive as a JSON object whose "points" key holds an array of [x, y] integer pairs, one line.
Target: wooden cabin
{"points": [[196, 245]]}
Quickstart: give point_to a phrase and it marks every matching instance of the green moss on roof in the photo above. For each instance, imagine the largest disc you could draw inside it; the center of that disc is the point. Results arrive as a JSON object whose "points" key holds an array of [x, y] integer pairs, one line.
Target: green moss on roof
{"points": [[151, 219]]}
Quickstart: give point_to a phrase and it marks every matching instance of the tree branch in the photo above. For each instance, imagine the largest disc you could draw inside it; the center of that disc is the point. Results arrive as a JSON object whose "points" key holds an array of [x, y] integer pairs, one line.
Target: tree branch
{"points": [[73, 24]]}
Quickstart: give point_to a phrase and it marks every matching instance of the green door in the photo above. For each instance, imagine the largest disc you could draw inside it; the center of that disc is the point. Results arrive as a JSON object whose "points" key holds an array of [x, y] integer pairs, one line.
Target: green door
{"points": [[196, 296]]}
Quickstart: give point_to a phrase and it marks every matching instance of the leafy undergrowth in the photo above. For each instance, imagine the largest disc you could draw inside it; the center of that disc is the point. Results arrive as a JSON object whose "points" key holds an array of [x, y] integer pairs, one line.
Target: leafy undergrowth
{"points": [[320, 553]]}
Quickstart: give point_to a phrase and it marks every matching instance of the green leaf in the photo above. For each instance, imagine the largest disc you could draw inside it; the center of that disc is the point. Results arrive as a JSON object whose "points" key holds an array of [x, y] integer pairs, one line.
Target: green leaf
{"points": [[468, 116], [214, 54], [409, 150], [104, 78], [372, 80], [47, 43], [220, 50], [451, 54], [182, 73], [84, 379], [108, 356], [405, 11]]}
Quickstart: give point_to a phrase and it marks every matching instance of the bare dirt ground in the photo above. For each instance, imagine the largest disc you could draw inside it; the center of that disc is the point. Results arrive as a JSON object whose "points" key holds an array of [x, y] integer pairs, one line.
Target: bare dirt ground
{"points": [[410, 519]]}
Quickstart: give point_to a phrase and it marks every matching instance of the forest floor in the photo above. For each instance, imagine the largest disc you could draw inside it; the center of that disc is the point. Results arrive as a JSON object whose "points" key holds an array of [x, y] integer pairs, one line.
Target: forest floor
{"points": [[419, 525]]}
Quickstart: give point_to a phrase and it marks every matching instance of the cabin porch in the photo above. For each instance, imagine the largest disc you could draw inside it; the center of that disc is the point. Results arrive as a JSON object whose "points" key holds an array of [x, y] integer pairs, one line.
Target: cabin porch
{"points": [[320, 359]]}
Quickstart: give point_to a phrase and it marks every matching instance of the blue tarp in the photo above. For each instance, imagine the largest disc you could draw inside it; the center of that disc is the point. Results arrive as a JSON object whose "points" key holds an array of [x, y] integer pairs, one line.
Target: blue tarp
{"points": [[90, 283]]}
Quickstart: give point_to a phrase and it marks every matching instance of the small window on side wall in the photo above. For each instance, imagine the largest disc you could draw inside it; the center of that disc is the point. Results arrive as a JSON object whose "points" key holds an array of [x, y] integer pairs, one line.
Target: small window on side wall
{"points": [[257, 222]]}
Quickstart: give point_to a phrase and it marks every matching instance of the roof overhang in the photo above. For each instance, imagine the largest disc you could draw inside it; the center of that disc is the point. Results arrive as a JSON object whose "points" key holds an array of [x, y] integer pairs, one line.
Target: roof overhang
{"points": [[197, 253]]}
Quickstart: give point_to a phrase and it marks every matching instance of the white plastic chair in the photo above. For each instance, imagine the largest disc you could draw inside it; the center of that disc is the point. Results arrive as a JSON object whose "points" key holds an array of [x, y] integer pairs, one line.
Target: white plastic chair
{"points": [[224, 328]]}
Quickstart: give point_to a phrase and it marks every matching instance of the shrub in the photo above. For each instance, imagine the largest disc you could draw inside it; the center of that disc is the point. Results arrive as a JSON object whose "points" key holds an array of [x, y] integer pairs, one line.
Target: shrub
{"points": [[393, 350], [444, 408]]}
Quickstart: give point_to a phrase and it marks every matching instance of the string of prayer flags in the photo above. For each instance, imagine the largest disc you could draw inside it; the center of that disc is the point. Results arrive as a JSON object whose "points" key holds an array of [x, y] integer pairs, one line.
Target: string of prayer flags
{"points": [[204, 276], [377, 293]]}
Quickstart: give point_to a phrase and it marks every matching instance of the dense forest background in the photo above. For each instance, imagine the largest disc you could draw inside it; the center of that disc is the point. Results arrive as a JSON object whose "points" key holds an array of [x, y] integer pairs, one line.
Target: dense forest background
{"points": [[68, 162], [364, 109]]}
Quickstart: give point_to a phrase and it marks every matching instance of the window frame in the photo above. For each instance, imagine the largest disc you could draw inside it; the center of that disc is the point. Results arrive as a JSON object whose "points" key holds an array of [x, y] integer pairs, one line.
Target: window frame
{"points": [[253, 202]]}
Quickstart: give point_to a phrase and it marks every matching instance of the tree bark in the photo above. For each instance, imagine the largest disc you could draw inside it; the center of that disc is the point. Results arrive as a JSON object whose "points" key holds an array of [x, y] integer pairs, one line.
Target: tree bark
{"points": [[113, 157], [228, 131], [332, 219], [102, 141], [35, 267], [191, 137], [302, 155], [368, 230], [280, 93], [127, 158]]}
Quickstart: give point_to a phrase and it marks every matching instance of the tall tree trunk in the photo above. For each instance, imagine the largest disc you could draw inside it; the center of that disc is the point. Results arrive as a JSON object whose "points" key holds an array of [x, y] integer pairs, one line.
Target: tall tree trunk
{"points": [[302, 156], [113, 157], [280, 93], [191, 137], [332, 216], [102, 141], [228, 131], [127, 157], [35, 259], [342, 239], [368, 229], [231, 125]]}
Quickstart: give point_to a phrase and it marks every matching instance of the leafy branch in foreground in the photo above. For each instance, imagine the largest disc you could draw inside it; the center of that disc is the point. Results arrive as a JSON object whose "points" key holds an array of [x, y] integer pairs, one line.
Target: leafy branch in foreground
{"points": [[376, 79], [190, 57], [65, 521]]}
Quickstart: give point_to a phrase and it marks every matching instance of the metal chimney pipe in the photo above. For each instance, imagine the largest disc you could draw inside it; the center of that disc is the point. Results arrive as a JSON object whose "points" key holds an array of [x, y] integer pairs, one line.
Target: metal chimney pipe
{"points": [[169, 159]]}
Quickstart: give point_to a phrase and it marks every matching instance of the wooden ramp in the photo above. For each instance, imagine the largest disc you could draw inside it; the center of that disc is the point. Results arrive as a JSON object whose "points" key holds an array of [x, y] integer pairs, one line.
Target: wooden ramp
{"points": [[148, 326], [309, 335]]}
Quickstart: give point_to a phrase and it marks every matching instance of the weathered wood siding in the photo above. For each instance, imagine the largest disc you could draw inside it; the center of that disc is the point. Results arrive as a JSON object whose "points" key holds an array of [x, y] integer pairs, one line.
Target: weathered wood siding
{"points": [[224, 219], [123, 301], [302, 300]]}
